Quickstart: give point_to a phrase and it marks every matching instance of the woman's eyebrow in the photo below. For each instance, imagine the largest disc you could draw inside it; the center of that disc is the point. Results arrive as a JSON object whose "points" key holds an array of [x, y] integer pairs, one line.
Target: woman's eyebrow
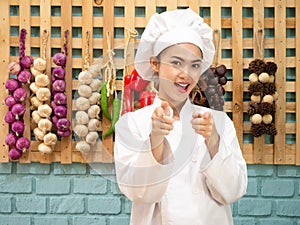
{"points": [[181, 59]]}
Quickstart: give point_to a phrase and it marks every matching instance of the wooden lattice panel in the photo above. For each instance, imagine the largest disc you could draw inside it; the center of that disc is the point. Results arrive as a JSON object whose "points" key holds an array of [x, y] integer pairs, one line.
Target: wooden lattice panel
{"points": [[238, 23]]}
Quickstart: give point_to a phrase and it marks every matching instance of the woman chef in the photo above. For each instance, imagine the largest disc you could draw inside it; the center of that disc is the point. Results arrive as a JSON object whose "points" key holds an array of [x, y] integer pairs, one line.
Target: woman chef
{"points": [[178, 163]]}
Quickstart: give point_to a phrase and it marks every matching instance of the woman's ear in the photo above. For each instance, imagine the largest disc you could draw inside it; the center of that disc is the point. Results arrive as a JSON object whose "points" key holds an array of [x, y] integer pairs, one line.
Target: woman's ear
{"points": [[154, 63]]}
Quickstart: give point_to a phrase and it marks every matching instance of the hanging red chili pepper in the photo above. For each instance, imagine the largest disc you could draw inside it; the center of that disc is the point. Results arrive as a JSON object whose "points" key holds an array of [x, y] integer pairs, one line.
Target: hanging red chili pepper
{"points": [[137, 83], [146, 98]]}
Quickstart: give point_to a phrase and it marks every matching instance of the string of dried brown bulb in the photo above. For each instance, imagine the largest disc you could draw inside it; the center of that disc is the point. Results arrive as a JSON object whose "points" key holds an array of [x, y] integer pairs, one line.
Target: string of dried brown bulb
{"points": [[263, 94]]}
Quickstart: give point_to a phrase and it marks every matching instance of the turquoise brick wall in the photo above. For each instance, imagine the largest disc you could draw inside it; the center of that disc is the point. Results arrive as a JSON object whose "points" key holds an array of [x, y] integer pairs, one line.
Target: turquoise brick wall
{"points": [[80, 194]]}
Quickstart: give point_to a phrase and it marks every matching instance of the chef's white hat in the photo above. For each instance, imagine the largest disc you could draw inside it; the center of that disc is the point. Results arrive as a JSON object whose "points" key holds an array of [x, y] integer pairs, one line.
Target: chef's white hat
{"points": [[169, 28]]}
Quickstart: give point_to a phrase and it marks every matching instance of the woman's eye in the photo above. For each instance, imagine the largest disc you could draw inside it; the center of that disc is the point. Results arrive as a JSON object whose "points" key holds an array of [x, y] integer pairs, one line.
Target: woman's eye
{"points": [[176, 63], [196, 66]]}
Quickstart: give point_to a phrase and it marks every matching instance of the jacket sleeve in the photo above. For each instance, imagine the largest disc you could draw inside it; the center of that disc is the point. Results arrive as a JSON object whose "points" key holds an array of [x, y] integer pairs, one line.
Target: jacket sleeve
{"points": [[226, 173], [140, 177]]}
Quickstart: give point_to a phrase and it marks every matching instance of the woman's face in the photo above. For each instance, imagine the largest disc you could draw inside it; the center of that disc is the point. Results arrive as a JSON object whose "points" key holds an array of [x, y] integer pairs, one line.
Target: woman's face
{"points": [[179, 69]]}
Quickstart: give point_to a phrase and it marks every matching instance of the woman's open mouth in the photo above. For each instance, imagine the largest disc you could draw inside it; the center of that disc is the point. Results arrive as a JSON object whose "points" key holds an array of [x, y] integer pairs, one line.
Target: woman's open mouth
{"points": [[182, 87]]}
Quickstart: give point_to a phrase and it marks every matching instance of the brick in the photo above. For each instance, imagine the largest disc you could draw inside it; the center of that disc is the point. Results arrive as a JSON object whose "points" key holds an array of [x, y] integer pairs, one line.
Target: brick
{"points": [[90, 185], [14, 220], [243, 221], [252, 187], [53, 185], [127, 206], [277, 188], [5, 168], [254, 207], [5, 205], [288, 171], [50, 221], [102, 169], [123, 220], [86, 220], [115, 188], [275, 222], [33, 168], [69, 169], [31, 204], [67, 205], [15, 184], [260, 170], [288, 207], [104, 205]]}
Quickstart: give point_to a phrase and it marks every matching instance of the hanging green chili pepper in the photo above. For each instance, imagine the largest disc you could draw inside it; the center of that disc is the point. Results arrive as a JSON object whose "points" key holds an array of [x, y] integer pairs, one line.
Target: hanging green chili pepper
{"points": [[104, 101], [115, 117]]}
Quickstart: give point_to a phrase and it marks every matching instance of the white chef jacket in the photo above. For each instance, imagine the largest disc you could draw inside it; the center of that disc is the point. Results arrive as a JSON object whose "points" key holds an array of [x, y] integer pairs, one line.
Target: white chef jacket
{"points": [[190, 188]]}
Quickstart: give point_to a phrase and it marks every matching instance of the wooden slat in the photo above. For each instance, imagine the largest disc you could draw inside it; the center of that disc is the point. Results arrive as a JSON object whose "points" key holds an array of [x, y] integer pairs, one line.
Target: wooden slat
{"points": [[280, 44], [45, 21], [237, 68], [258, 11], [66, 19], [298, 84], [4, 61], [25, 23]]}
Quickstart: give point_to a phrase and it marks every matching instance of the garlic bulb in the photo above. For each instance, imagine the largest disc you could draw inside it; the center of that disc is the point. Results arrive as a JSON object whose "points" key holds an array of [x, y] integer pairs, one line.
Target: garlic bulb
{"points": [[263, 77], [34, 87], [253, 77], [96, 85], [43, 94], [34, 71], [255, 98], [94, 99], [83, 147], [42, 80], [82, 103], [35, 102], [271, 79], [85, 77], [256, 119], [91, 137], [39, 134], [95, 69], [50, 139], [268, 98], [39, 64], [85, 90], [267, 119], [44, 110], [43, 148], [45, 125], [35, 116], [82, 117], [81, 130], [94, 125], [94, 111]]}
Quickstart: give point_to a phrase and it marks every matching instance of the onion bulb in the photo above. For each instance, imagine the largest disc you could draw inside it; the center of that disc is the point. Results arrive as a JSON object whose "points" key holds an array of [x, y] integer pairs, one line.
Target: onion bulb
{"points": [[24, 76], [23, 144], [60, 59], [14, 68], [66, 133], [20, 94], [15, 154], [26, 62], [10, 101], [9, 117], [18, 127], [60, 111], [18, 110], [11, 139], [59, 86], [59, 73], [60, 99], [63, 124], [12, 84]]}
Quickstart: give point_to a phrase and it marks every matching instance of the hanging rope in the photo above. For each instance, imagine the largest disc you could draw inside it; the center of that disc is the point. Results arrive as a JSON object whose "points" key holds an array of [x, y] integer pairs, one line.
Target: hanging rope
{"points": [[260, 42], [44, 43], [216, 40], [109, 69], [131, 33], [87, 52]]}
